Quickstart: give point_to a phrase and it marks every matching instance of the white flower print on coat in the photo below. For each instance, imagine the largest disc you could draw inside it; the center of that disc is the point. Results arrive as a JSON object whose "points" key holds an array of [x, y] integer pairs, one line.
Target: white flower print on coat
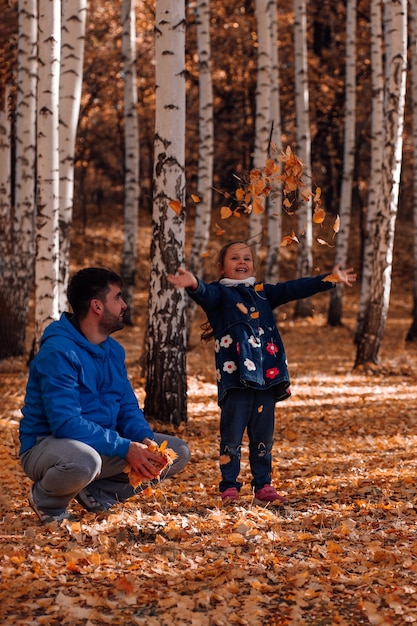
{"points": [[250, 365], [226, 341], [229, 367], [255, 342]]}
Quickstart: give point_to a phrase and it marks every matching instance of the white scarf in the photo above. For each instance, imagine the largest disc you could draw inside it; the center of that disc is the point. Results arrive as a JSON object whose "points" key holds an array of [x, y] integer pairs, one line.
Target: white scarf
{"points": [[230, 282]]}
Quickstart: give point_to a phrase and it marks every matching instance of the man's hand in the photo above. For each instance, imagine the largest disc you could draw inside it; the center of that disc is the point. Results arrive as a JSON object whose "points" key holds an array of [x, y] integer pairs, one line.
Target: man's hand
{"points": [[143, 461]]}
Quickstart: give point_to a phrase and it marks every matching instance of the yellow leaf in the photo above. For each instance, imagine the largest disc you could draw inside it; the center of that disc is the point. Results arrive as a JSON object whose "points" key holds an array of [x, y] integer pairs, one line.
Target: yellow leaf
{"points": [[240, 194], [236, 539], [318, 216], [324, 243], [166, 455], [336, 225], [225, 212], [331, 278], [175, 205], [288, 239], [258, 206], [195, 198], [219, 230]]}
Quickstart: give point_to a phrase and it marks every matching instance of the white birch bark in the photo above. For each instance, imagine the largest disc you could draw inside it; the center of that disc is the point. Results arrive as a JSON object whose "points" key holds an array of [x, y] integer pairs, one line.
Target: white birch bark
{"points": [[132, 186], [205, 149], [5, 184], [7, 282], [263, 110], [70, 88], [342, 245], [274, 215], [23, 229], [382, 225], [412, 332], [166, 387], [47, 231], [303, 308], [377, 149]]}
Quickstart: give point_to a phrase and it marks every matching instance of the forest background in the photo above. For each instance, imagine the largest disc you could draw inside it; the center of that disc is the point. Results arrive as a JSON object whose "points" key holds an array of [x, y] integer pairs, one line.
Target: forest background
{"points": [[344, 550]]}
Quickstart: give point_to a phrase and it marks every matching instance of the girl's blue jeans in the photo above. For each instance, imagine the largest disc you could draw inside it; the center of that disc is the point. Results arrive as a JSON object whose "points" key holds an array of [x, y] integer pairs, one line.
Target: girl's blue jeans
{"points": [[253, 410]]}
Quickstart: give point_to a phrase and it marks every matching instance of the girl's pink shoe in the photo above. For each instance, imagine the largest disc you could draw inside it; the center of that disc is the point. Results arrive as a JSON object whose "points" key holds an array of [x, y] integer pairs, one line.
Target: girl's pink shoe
{"points": [[229, 495], [268, 494]]}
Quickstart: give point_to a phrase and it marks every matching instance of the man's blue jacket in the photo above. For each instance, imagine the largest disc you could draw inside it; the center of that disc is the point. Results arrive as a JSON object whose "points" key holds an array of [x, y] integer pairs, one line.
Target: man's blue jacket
{"points": [[81, 391]]}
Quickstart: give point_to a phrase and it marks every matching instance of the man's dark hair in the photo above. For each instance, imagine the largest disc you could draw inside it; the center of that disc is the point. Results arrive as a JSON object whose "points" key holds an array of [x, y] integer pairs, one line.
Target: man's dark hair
{"points": [[89, 283]]}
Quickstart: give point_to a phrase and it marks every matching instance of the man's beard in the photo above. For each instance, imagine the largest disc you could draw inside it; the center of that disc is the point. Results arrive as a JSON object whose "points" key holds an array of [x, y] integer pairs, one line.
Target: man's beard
{"points": [[111, 323]]}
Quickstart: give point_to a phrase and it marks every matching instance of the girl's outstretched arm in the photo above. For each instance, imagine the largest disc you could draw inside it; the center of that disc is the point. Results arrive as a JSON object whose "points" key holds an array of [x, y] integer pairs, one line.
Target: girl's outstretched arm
{"points": [[346, 277], [183, 278]]}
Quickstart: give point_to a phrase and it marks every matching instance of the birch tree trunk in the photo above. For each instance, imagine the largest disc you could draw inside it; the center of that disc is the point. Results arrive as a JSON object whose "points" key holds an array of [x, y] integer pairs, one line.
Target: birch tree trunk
{"points": [[275, 198], [70, 88], [205, 149], [377, 150], [18, 271], [381, 229], [47, 231], [303, 308], [166, 384], [132, 187], [342, 246], [7, 282], [263, 110], [412, 332], [5, 192]]}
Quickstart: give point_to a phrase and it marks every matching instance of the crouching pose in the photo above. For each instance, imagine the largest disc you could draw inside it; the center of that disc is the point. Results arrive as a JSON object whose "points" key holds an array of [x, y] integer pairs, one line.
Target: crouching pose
{"points": [[81, 421]]}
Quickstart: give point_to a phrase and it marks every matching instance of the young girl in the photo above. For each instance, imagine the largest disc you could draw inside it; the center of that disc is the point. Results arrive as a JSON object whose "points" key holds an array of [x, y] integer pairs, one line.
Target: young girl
{"points": [[251, 367]]}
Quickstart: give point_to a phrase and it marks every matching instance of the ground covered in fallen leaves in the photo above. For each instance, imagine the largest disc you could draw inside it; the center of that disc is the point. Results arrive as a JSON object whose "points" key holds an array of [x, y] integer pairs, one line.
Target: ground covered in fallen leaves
{"points": [[343, 550]]}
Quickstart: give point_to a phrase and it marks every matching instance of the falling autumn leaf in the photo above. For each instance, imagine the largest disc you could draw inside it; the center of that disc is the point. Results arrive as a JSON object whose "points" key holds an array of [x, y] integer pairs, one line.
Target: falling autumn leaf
{"points": [[319, 215], [225, 212], [175, 205], [195, 198], [258, 207], [323, 242], [289, 239], [336, 225]]}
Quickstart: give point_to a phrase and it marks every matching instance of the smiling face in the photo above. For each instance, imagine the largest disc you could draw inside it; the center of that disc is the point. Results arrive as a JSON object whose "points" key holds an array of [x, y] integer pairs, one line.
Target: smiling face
{"points": [[237, 262]]}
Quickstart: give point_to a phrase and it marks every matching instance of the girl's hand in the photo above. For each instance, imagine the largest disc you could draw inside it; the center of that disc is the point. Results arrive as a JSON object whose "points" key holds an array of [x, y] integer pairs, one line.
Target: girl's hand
{"points": [[346, 277], [183, 279]]}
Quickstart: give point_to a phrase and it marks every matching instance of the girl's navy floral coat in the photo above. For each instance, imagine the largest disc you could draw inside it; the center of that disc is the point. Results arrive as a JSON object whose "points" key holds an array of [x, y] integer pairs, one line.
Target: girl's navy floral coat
{"points": [[248, 347]]}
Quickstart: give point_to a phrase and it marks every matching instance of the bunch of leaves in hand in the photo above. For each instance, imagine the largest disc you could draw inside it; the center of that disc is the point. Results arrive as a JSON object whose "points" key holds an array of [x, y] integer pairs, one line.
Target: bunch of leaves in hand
{"points": [[167, 456]]}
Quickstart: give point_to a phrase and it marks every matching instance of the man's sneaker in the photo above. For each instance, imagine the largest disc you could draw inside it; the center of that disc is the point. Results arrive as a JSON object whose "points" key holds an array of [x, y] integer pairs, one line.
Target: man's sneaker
{"points": [[89, 502], [229, 495], [268, 494], [45, 517]]}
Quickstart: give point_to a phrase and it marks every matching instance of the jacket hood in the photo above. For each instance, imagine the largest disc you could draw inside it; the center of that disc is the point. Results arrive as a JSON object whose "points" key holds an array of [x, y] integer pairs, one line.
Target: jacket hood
{"points": [[63, 330]]}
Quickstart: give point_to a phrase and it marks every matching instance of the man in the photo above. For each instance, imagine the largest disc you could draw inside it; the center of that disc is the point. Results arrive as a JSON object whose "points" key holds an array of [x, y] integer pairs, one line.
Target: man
{"points": [[81, 421]]}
